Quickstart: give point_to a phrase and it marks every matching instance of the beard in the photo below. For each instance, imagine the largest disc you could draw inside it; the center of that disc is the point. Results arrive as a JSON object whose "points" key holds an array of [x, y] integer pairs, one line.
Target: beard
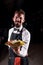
{"points": [[18, 24]]}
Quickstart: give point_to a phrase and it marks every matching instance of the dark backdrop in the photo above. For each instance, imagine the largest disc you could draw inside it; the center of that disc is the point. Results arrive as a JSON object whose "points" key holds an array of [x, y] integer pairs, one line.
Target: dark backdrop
{"points": [[34, 18]]}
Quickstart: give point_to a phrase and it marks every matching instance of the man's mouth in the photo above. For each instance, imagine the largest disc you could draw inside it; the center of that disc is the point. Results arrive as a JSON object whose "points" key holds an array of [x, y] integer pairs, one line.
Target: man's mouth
{"points": [[18, 21]]}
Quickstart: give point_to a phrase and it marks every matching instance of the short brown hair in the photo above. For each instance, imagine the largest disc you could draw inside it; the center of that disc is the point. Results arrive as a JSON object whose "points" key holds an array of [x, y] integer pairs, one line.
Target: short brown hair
{"points": [[20, 12]]}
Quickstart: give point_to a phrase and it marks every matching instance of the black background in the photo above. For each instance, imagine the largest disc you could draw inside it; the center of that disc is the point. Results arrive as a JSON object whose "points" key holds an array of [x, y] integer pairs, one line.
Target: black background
{"points": [[34, 18]]}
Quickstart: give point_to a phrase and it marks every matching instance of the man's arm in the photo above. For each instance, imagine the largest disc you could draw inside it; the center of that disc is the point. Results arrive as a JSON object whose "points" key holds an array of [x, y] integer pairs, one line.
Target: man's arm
{"points": [[25, 47]]}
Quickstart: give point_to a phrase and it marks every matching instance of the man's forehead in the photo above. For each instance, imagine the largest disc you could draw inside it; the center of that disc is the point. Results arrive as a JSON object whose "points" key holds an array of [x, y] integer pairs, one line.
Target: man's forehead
{"points": [[20, 15]]}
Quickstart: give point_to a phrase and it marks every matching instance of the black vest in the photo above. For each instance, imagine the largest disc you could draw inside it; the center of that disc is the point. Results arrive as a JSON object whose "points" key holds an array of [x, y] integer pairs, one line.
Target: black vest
{"points": [[16, 36], [13, 37]]}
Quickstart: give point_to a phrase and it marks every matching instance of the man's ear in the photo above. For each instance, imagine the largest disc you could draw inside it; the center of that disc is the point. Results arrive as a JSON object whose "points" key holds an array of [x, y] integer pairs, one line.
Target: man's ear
{"points": [[13, 19], [23, 21]]}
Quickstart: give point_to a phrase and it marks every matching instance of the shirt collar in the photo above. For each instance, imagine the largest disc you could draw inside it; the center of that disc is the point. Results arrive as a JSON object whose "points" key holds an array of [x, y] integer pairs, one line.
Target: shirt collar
{"points": [[20, 28]]}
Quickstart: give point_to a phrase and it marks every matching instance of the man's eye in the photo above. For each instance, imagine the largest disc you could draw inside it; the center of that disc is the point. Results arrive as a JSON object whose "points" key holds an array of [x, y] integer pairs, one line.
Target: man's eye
{"points": [[20, 17], [16, 17]]}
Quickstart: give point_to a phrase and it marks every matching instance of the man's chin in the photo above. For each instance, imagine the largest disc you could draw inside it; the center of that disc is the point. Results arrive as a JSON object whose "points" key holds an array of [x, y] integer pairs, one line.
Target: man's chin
{"points": [[17, 25]]}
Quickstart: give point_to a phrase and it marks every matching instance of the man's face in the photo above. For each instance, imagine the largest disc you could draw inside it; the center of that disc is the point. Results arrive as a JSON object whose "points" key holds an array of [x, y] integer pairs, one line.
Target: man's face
{"points": [[18, 19]]}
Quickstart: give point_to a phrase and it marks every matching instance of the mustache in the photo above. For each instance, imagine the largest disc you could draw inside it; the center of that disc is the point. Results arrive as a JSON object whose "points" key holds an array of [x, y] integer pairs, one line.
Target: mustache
{"points": [[18, 21]]}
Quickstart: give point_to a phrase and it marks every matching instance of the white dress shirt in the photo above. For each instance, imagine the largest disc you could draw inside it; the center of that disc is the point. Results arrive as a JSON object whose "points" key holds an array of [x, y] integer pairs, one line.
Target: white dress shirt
{"points": [[25, 37]]}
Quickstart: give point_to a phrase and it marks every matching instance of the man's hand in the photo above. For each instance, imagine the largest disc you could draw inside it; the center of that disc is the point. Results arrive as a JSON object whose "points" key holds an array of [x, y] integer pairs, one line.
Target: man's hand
{"points": [[16, 50]]}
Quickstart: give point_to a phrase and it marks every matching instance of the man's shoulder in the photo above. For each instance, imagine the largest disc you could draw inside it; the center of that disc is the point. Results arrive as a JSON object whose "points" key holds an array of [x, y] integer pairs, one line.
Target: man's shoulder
{"points": [[26, 31], [11, 29]]}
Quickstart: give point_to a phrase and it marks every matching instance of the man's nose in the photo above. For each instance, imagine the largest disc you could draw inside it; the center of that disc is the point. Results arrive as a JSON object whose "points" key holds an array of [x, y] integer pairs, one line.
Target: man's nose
{"points": [[18, 19]]}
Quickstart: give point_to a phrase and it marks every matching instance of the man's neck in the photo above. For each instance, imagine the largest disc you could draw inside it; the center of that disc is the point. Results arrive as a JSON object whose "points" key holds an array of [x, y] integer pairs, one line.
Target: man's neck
{"points": [[19, 27]]}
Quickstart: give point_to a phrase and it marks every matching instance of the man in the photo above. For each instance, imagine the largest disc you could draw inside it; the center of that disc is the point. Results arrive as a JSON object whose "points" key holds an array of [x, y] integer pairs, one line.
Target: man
{"points": [[18, 32]]}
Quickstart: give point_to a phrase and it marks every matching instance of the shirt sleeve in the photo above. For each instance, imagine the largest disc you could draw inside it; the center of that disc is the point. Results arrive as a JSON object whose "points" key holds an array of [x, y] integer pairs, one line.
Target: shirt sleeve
{"points": [[24, 49], [9, 33]]}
